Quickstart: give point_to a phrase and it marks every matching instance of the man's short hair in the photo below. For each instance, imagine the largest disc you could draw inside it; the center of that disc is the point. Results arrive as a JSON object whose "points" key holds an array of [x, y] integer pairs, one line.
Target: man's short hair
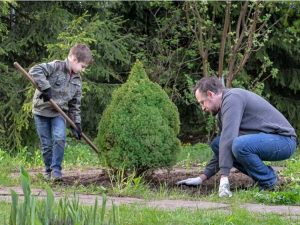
{"points": [[205, 84], [82, 53]]}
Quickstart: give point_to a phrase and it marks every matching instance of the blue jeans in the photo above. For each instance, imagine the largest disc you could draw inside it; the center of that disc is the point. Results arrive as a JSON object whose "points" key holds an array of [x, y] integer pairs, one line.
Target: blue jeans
{"points": [[52, 134], [251, 150]]}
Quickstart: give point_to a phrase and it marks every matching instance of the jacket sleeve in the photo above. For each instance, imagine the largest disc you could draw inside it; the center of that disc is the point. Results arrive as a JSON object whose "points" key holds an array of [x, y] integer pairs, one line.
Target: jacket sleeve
{"points": [[40, 74], [74, 106]]}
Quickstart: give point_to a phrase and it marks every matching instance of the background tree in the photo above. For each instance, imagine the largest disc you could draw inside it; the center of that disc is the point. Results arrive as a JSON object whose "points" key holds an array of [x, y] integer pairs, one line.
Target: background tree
{"points": [[166, 36], [246, 27], [40, 31], [283, 49]]}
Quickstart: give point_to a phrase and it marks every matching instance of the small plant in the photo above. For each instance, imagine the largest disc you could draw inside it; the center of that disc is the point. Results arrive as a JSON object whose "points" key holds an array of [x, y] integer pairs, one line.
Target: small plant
{"points": [[123, 183], [47, 212]]}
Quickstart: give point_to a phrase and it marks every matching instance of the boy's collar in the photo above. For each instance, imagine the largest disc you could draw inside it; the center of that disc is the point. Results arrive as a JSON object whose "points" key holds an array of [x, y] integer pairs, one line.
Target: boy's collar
{"points": [[68, 68]]}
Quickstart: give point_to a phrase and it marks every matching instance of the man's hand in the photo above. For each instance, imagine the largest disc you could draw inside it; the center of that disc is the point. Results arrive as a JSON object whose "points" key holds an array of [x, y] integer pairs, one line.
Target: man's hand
{"points": [[77, 132], [46, 95], [190, 181], [224, 188]]}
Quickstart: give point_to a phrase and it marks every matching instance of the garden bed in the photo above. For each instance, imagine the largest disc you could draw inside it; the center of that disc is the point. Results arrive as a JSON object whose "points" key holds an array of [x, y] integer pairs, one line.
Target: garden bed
{"points": [[168, 178]]}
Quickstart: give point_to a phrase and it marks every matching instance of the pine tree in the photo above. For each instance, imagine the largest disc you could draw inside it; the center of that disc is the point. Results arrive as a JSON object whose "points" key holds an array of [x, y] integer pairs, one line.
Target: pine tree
{"points": [[139, 128]]}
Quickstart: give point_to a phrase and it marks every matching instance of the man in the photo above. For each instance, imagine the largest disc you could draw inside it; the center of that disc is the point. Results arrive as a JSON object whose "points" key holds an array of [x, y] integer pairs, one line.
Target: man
{"points": [[252, 131], [60, 81]]}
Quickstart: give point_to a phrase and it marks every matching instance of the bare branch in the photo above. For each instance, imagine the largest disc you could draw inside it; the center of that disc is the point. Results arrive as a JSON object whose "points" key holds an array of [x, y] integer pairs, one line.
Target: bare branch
{"points": [[241, 17], [237, 44], [249, 42], [223, 38]]}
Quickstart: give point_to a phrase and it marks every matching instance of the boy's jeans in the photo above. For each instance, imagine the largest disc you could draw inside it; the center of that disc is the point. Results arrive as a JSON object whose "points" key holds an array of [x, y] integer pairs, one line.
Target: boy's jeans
{"points": [[251, 150], [52, 134]]}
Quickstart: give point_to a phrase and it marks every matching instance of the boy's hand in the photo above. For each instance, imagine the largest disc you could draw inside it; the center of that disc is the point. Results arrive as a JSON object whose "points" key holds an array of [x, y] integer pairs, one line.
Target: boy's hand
{"points": [[77, 132], [46, 95]]}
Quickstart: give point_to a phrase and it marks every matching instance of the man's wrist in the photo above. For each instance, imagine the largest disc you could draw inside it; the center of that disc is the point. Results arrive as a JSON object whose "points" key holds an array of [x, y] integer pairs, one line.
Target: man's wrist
{"points": [[203, 177]]}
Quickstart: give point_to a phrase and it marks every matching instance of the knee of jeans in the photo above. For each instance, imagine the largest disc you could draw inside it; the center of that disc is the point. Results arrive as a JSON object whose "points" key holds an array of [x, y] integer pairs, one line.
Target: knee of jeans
{"points": [[59, 138], [46, 146], [61, 143], [238, 147]]}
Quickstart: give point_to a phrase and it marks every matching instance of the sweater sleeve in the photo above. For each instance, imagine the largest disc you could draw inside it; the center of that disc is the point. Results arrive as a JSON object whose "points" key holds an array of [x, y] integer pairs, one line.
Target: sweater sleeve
{"points": [[232, 109], [212, 167]]}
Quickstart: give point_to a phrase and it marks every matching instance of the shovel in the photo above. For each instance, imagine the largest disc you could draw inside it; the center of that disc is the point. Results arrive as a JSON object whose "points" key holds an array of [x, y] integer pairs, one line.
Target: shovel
{"points": [[55, 106]]}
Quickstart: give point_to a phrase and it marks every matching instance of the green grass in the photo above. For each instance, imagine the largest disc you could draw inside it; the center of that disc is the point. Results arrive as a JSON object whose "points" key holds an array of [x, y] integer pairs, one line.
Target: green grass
{"points": [[194, 155], [149, 216], [80, 155], [4, 211], [136, 215]]}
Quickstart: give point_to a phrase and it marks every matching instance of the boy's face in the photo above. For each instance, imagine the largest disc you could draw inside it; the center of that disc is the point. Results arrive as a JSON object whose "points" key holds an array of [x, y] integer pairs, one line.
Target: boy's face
{"points": [[76, 66]]}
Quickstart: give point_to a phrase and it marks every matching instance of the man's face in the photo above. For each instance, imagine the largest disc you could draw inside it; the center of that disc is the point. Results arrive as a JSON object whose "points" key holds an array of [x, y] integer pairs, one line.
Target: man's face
{"points": [[76, 66], [210, 102]]}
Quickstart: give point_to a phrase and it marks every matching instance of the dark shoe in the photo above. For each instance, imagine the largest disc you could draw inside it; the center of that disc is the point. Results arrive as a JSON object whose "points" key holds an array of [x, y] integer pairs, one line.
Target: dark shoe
{"points": [[274, 187], [56, 175], [279, 184]]}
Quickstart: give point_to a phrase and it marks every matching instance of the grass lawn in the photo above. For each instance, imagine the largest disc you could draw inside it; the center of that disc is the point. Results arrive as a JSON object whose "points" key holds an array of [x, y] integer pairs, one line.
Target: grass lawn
{"points": [[4, 211], [136, 215]]}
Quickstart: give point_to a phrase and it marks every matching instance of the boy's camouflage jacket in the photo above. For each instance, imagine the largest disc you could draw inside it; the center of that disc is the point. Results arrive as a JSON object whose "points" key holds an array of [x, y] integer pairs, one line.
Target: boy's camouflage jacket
{"points": [[66, 89]]}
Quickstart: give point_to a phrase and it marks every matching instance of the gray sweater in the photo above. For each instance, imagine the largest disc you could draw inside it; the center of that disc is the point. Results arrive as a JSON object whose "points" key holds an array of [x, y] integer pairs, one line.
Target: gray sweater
{"points": [[244, 112]]}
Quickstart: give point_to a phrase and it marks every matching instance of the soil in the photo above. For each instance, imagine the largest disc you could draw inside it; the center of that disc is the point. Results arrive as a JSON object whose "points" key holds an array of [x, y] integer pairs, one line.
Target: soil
{"points": [[237, 180], [157, 178]]}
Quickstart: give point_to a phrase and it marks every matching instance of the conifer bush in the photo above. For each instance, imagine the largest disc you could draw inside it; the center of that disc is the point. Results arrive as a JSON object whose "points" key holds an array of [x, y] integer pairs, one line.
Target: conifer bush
{"points": [[138, 129]]}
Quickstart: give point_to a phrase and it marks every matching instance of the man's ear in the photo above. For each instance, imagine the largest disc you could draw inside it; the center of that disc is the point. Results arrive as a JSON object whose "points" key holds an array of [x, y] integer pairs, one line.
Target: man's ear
{"points": [[210, 93]]}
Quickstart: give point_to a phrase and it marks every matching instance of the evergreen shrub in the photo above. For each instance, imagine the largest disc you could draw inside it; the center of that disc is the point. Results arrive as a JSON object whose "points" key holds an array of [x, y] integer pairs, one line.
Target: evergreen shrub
{"points": [[138, 129]]}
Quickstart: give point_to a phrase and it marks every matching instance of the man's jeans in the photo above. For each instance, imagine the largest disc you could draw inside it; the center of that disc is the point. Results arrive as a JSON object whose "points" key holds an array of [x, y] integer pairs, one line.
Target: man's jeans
{"points": [[52, 134], [251, 150]]}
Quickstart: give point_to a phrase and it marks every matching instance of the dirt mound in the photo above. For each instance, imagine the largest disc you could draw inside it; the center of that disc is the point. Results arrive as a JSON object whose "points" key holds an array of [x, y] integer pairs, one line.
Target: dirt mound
{"points": [[155, 180], [237, 180]]}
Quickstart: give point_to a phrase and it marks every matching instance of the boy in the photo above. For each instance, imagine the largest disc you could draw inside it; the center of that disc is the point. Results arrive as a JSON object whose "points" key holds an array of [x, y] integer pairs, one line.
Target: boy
{"points": [[60, 81]]}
